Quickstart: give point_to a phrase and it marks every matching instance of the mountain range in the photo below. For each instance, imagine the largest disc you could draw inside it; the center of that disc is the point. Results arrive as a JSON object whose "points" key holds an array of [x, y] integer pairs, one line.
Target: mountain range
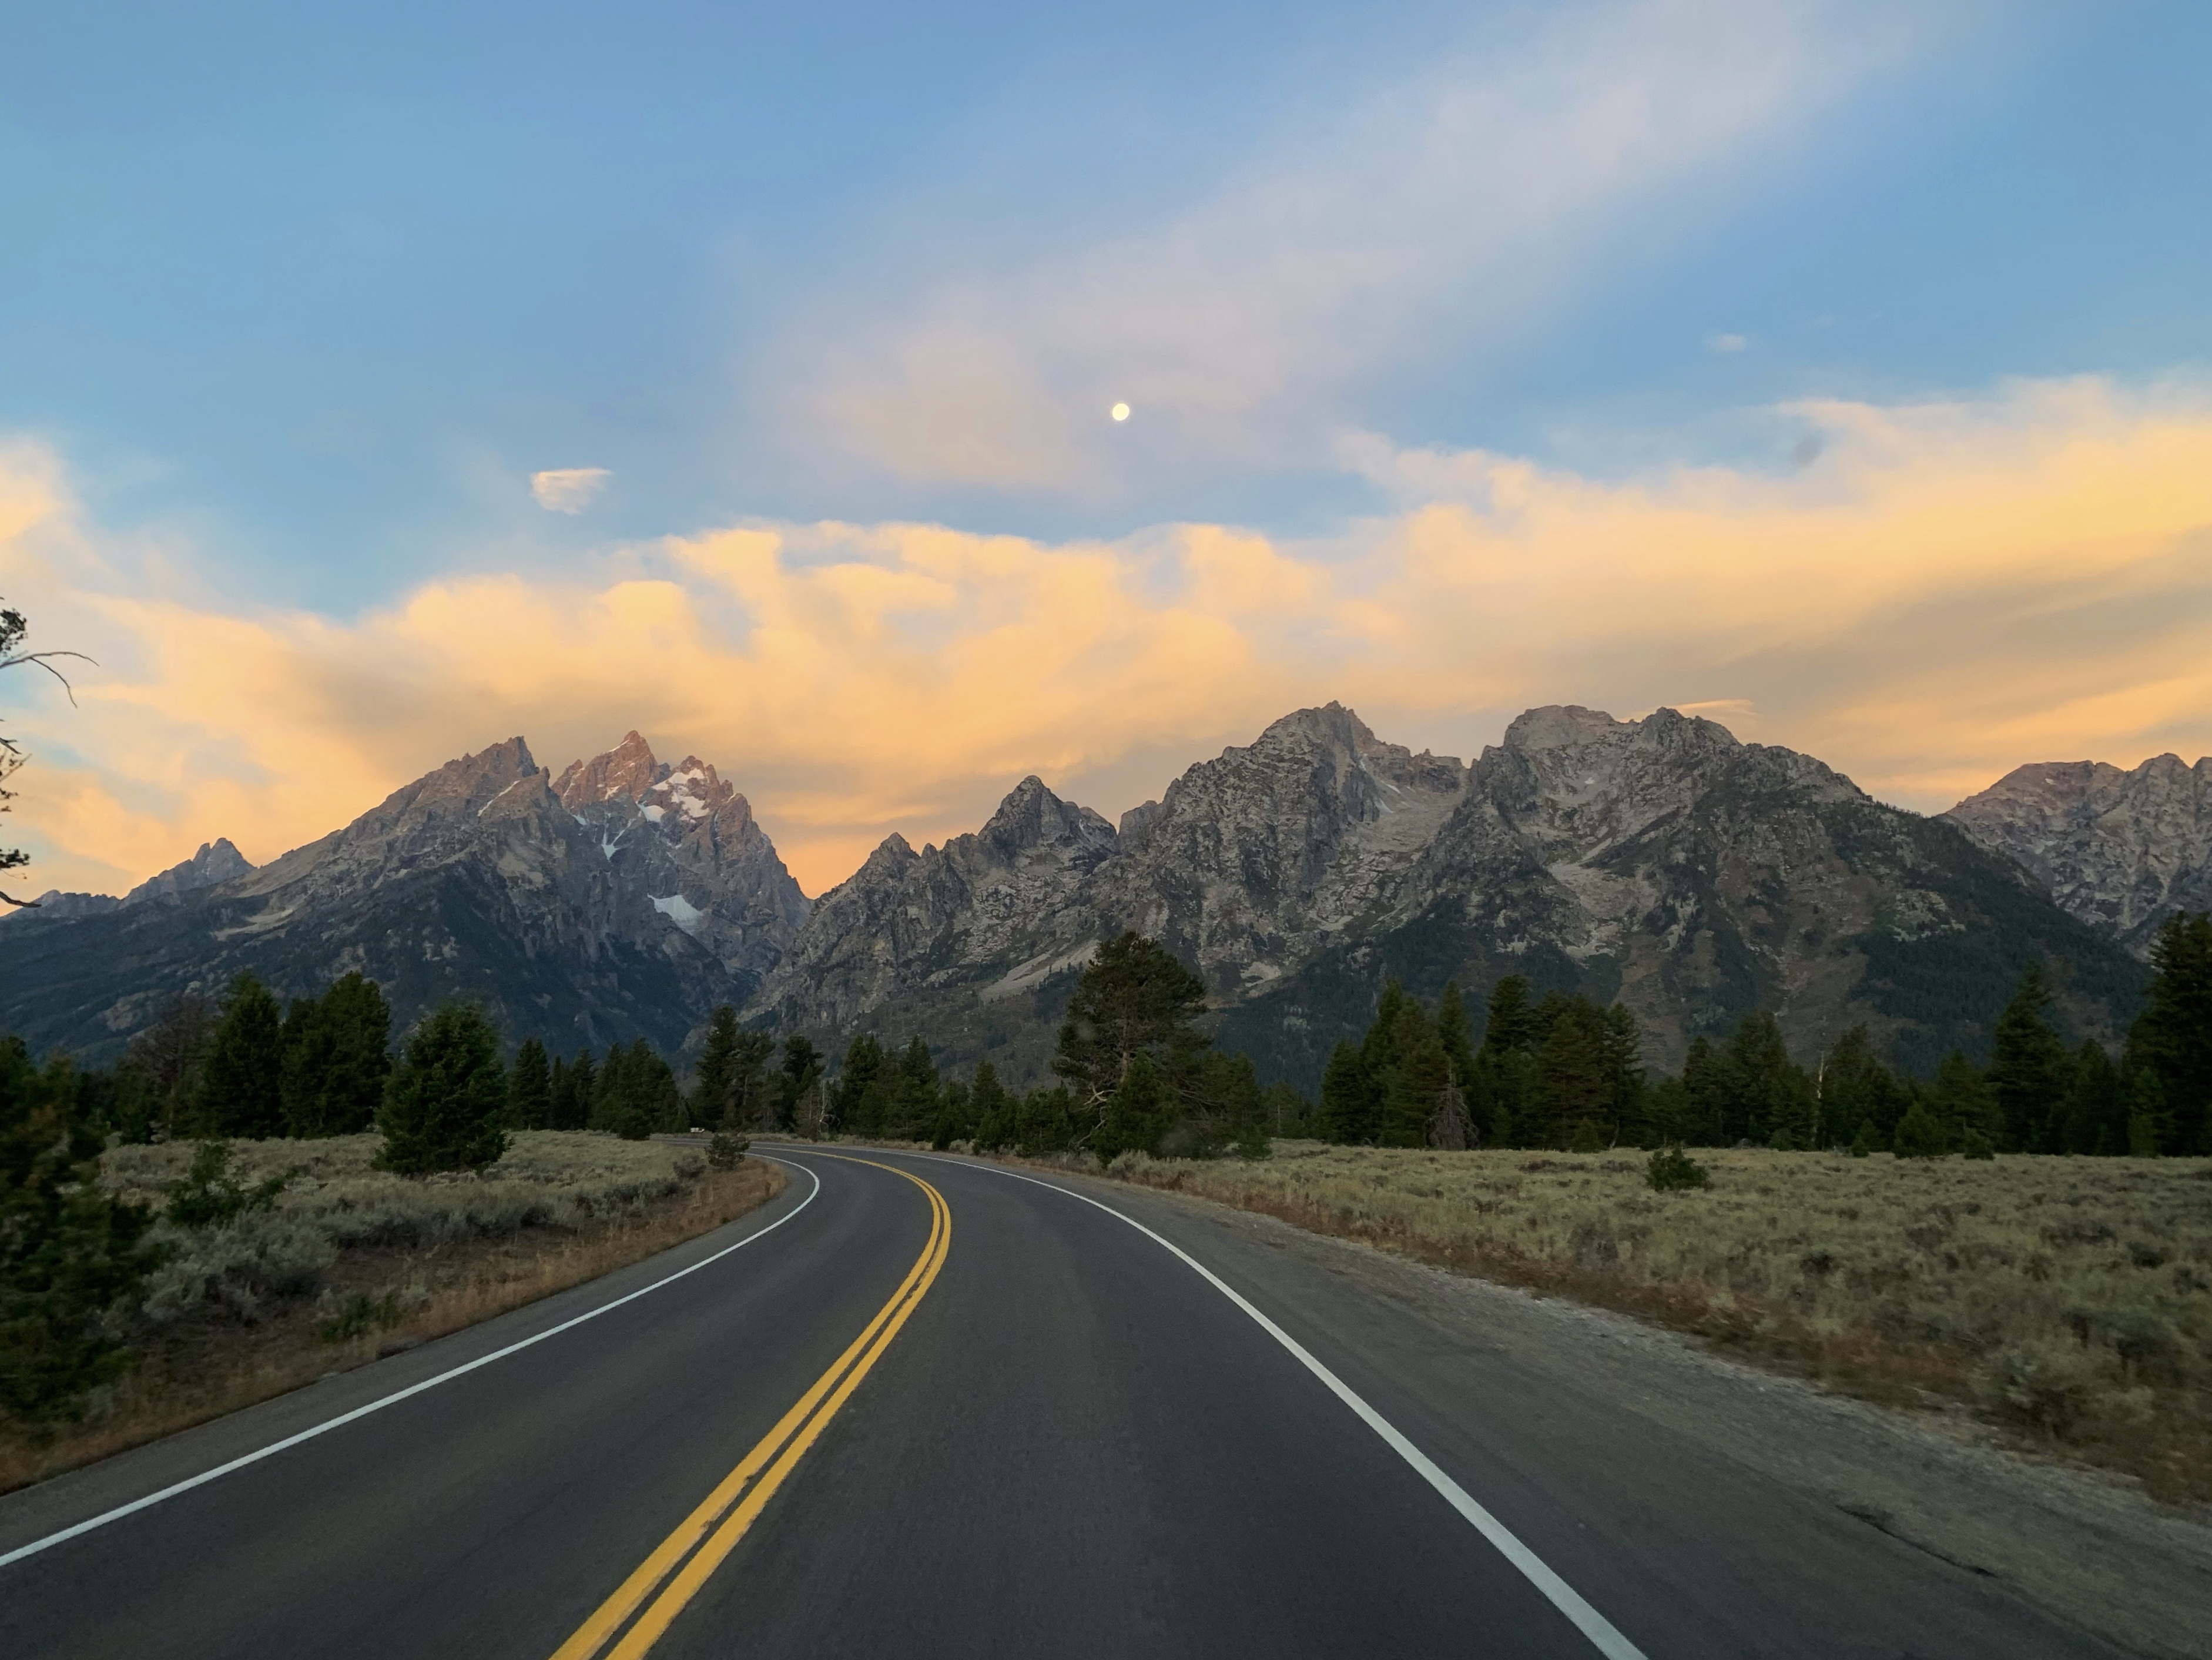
{"points": [[1655, 862]]}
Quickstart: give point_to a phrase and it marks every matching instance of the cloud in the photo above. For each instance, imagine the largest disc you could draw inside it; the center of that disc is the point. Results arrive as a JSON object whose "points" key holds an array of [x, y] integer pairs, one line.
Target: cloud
{"points": [[1949, 590], [569, 490], [1451, 206], [1726, 342]]}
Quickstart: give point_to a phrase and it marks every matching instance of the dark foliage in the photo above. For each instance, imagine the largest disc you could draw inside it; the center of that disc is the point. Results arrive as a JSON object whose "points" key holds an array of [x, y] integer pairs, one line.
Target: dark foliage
{"points": [[447, 1096]]}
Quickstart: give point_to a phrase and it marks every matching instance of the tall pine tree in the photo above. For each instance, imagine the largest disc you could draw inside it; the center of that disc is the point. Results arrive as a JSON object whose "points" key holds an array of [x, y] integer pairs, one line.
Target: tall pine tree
{"points": [[242, 1085], [447, 1096], [530, 1088], [2028, 1069], [2172, 1037]]}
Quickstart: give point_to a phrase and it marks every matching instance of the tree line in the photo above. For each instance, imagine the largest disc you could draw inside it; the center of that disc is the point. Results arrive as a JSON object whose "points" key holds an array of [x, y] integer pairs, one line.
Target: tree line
{"points": [[1562, 1071]]}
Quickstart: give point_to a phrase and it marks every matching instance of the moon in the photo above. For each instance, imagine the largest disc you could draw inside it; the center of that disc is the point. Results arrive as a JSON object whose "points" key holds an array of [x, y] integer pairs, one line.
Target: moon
{"points": [[1120, 411]]}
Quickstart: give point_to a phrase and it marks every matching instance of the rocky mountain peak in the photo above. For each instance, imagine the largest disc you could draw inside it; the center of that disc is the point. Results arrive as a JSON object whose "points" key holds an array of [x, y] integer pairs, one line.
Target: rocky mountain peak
{"points": [[1032, 816], [627, 771], [2121, 850], [215, 862]]}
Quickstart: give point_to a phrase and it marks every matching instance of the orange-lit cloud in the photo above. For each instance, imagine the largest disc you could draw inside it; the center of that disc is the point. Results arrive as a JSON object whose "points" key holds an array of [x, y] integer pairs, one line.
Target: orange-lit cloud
{"points": [[1947, 591]]}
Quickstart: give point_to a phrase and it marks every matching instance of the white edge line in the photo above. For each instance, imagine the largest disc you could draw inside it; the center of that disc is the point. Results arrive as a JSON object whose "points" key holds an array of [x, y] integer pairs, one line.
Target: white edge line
{"points": [[398, 1396], [1607, 1640]]}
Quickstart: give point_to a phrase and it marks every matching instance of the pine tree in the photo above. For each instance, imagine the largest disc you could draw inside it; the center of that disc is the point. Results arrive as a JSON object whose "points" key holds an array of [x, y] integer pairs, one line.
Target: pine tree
{"points": [[1919, 1135], [714, 1086], [1856, 1088], [1708, 1097], [2094, 1116], [336, 1058], [169, 1058], [574, 1088], [1137, 1113], [1045, 1122], [242, 1083], [530, 1088], [1452, 1032], [2172, 1037], [1770, 1090], [797, 1075], [860, 1095], [1348, 1110], [1510, 1023], [447, 1096], [993, 1110], [2028, 1069], [1414, 1074], [1134, 998], [915, 1092], [1962, 1103], [70, 1255]]}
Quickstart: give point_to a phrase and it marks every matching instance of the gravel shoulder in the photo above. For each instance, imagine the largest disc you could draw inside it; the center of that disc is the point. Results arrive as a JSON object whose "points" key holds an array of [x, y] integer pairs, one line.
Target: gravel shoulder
{"points": [[2085, 1545]]}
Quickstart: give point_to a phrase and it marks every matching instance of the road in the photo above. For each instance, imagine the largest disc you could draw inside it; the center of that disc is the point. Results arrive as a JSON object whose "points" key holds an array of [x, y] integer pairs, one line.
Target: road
{"points": [[1063, 1439]]}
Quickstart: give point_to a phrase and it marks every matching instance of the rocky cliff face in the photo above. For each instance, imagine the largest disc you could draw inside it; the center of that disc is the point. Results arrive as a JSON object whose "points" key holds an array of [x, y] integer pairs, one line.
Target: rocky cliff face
{"points": [[216, 862], [2120, 850], [1657, 861], [632, 911]]}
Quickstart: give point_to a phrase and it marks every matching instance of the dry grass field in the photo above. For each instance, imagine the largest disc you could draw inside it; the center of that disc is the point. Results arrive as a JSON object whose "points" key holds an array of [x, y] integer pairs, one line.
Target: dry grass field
{"points": [[351, 1262], [2067, 1299]]}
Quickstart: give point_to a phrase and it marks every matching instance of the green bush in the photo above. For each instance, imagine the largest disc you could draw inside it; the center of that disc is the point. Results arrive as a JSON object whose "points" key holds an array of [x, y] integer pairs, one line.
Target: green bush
{"points": [[1863, 1143], [1978, 1146], [208, 1197], [1919, 1136], [727, 1150], [1670, 1170]]}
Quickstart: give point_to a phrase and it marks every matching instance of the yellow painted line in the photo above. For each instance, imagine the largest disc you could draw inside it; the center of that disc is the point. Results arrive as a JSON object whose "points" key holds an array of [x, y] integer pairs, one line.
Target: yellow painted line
{"points": [[799, 1427]]}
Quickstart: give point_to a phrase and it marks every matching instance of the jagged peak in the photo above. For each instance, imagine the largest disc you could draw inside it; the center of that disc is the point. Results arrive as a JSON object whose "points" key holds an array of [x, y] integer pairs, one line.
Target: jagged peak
{"points": [[216, 862], [1031, 816], [627, 769], [1329, 723]]}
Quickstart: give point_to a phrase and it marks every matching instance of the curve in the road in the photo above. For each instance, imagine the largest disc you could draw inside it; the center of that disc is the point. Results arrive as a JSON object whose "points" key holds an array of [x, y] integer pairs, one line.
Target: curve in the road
{"points": [[1601, 1632], [796, 1431], [149, 1500]]}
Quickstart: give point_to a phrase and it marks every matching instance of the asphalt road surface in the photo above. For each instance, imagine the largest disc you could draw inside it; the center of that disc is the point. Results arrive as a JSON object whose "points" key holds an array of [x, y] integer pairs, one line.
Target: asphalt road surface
{"points": [[970, 1415]]}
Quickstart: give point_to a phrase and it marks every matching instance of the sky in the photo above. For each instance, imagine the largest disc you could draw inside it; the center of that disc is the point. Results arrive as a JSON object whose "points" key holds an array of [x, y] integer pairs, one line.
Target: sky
{"points": [[379, 383]]}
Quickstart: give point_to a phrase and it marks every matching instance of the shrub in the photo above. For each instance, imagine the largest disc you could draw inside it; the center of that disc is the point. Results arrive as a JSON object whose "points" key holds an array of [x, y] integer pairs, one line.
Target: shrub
{"points": [[207, 1197], [447, 1096], [234, 1271], [1671, 1169], [1919, 1136], [727, 1150], [1978, 1146], [1862, 1143]]}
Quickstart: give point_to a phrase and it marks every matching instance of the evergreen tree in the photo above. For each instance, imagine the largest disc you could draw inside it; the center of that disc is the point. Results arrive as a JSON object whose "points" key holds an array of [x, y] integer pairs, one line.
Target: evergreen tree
{"points": [[993, 1110], [915, 1092], [169, 1057], [2172, 1037], [2093, 1116], [1414, 1072], [1856, 1088], [861, 1096], [1289, 1113], [2028, 1069], [1348, 1108], [1138, 1113], [714, 1086], [1961, 1102], [336, 1058], [70, 1255], [1768, 1091], [1045, 1122], [1708, 1097], [755, 1096], [447, 1096], [574, 1087], [1134, 998], [1586, 1087], [637, 1094], [1510, 1023], [798, 1075], [955, 1115], [1919, 1135], [530, 1088], [242, 1083]]}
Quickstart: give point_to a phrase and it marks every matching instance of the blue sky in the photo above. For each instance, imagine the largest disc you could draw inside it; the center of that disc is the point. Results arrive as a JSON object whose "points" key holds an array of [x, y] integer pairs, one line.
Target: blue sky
{"points": [[295, 301], [322, 283]]}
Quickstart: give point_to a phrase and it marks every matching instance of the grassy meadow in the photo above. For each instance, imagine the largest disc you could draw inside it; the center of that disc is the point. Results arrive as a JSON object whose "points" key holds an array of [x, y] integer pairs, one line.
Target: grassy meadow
{"points": [[2067, 1299], [347, 1262]]}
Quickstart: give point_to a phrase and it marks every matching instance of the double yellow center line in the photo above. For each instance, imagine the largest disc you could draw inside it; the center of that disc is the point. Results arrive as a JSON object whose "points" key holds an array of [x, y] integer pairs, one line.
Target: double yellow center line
{"points": [[759, 1472]]}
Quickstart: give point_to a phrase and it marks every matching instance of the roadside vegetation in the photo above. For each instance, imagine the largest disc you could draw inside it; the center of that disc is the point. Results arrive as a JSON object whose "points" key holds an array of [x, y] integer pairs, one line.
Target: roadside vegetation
{"points": [[2067, 1300], [259, 1194]]}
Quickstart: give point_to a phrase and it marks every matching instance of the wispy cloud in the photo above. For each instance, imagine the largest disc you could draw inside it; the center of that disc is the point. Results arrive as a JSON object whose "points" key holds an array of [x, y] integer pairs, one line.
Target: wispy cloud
{"points": [[567, 489], [1725, 343], [1448, 207], [1949, 590]]}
